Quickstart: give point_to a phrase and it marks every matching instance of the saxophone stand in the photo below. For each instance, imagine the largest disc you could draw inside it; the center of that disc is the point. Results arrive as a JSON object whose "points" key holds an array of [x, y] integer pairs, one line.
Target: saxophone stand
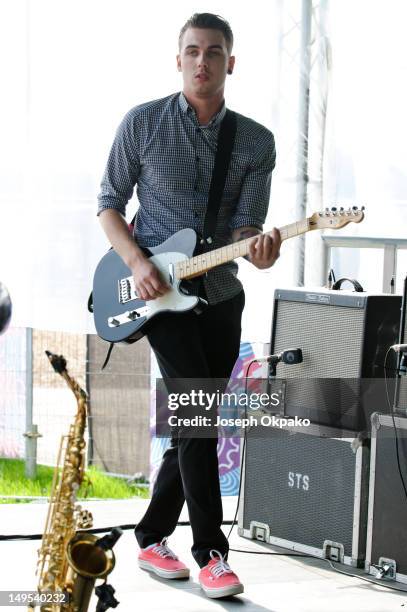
{"points": [[105, 592]]}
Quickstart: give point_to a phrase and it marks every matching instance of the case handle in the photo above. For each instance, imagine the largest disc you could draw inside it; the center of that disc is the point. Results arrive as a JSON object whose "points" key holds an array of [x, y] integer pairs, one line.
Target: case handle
{"points": [[356, 285]]}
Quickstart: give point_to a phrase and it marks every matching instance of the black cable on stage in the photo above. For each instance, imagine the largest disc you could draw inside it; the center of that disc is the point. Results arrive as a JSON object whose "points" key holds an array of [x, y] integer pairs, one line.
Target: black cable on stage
{"points": [[394, 424], [127, 527], [379, 582], [243, 448], [233, 523]]}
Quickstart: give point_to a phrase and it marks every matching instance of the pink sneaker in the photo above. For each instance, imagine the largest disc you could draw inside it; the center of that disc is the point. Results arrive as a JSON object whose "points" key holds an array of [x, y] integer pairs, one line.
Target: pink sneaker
{"points": [[162, 561], [217, 579]]}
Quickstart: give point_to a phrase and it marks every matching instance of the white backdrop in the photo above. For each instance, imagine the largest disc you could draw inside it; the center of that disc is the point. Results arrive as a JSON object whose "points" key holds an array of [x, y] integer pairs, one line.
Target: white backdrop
{"points": [[71, 69]]}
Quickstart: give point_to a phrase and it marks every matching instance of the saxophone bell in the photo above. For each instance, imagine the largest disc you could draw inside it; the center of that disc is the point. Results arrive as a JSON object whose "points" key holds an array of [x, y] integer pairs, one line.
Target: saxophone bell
{"points": [[88, 558]]}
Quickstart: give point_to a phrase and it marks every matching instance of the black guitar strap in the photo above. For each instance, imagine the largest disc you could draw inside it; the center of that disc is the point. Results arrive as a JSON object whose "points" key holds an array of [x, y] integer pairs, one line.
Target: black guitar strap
{"points": [[226, 141]]}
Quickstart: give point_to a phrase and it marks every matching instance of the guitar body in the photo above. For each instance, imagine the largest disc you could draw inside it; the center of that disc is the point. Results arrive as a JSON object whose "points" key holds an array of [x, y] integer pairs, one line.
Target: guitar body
{"points": [[118, 313]]}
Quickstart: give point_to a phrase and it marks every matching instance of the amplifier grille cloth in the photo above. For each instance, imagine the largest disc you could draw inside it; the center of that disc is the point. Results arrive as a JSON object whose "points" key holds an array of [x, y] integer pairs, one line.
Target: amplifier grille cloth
{"points": [[324, 511], [331, 339]]}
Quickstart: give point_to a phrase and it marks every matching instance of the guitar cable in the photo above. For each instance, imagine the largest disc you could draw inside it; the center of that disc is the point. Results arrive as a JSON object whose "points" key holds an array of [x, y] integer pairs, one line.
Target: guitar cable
{"points": [[392, 409]]}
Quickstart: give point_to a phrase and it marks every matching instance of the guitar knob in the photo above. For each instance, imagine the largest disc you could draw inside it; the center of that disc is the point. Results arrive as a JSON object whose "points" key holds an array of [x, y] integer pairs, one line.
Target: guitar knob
{"points": [[114, 321], [133, 315]]}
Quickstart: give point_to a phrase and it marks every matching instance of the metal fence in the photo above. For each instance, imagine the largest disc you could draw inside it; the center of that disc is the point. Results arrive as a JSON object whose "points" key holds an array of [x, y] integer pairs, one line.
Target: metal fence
{"points": [[119, 398]]}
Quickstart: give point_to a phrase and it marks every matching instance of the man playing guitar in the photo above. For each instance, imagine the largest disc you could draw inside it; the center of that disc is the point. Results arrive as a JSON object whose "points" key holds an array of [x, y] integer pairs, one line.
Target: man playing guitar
{"points": [[167, 148]]}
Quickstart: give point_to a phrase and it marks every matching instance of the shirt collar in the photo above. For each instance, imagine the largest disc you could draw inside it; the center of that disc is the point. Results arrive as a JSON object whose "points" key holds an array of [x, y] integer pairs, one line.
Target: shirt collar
{"points": [[186, 107]]}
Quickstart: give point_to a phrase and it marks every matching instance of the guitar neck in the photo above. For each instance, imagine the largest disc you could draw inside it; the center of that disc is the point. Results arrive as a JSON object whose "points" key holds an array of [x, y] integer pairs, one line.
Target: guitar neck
{"points": [[195, 266]]}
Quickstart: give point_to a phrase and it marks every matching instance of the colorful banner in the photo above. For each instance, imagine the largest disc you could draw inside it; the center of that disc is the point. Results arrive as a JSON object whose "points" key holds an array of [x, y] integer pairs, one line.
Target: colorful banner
{"points": [[228, 448]]}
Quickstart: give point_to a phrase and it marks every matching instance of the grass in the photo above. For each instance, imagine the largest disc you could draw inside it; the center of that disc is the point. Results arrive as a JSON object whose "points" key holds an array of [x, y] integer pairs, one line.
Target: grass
{"points": [[97, 484]]}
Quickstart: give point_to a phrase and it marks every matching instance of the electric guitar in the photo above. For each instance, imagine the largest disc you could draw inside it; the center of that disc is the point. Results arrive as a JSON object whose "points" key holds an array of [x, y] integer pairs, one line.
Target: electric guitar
{"points": [[120, 315]]}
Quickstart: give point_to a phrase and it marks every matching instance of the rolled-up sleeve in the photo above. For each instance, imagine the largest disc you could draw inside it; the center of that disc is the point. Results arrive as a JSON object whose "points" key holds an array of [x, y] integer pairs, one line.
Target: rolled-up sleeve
{"points": [[252, 206], [122, 167]]}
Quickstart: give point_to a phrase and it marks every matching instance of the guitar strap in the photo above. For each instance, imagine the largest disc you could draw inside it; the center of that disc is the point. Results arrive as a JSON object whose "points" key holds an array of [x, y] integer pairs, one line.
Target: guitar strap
{"points": [[226, 139]]}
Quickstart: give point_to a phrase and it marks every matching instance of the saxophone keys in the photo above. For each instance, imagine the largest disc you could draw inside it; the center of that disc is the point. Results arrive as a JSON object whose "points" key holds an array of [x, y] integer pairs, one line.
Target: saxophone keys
{"points": [[86, 519]]}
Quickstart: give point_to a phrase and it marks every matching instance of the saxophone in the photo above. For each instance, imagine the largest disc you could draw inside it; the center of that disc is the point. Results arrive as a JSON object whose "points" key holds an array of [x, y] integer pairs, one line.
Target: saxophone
{"points": [[70, 560]]}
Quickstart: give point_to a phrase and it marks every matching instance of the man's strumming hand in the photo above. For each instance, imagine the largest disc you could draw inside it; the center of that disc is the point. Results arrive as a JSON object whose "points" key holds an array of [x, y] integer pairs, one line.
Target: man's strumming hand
{"points": [[148, 281]]}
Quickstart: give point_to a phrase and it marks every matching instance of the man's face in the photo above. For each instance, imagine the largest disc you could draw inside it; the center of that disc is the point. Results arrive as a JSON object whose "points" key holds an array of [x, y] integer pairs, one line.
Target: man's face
{"points": [[204, 61]]}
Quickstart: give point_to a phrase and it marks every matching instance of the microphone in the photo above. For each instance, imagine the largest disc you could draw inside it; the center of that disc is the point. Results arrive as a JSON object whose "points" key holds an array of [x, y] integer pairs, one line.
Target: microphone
{"points": [[289, 357]]}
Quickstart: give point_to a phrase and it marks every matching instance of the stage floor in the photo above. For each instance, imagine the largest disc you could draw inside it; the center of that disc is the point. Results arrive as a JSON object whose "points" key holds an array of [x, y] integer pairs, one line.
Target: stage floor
{"points": [[275, 583]]}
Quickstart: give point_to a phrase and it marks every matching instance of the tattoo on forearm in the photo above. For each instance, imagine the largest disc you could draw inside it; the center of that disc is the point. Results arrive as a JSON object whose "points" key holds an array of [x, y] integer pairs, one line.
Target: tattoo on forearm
{"points": [[248, 233]]}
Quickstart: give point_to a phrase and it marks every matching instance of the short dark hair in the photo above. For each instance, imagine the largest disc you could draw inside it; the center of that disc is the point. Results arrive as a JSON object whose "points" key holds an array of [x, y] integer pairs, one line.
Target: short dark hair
{"points": [[210, 21]]}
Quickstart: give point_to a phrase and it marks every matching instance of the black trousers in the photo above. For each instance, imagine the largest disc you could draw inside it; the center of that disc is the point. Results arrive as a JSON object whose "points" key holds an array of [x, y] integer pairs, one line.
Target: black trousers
{"points": [[201, 346]]}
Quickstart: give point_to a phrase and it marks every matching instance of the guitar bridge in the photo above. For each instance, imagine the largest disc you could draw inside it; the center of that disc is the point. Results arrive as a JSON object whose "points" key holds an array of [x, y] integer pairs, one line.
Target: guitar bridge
{"points": [[126, 290]]}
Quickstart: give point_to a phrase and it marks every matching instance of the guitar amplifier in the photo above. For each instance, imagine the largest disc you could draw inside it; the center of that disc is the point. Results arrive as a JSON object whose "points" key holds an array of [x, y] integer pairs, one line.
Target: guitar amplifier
{"points": [[305, 490], [344, 337], [387, 529]]}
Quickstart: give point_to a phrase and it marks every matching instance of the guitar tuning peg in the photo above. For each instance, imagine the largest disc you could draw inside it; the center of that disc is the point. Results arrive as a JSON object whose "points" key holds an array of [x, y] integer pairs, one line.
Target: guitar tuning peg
{"points": [[362, 208], [355, 208], [341, 209], [333, 208]]}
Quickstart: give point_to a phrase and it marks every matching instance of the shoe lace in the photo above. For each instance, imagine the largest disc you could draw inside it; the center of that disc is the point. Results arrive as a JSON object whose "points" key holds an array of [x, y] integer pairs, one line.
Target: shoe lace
{"points": [[163, 550], [220, 567]]}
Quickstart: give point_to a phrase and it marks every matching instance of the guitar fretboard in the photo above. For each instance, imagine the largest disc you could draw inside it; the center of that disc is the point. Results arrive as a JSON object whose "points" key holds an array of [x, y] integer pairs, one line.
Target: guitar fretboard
{"points": [[195, 266]]}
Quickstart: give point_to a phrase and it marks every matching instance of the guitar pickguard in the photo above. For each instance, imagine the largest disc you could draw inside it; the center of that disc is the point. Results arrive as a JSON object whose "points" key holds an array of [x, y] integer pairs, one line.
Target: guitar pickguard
{"points": [[119, 312]]}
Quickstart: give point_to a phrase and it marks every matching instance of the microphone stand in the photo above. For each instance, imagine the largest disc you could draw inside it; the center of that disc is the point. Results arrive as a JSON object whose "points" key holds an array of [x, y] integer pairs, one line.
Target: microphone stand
{"points": [[289, 357]]}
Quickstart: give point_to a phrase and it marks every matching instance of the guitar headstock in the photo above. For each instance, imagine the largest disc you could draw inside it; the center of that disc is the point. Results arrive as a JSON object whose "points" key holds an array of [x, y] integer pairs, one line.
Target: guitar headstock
{"points": [[335, 218]]}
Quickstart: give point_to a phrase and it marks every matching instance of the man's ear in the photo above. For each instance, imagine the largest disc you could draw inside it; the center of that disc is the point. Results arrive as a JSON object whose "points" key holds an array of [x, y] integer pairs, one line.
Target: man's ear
{"points": [[231, 64], [179, 63]]}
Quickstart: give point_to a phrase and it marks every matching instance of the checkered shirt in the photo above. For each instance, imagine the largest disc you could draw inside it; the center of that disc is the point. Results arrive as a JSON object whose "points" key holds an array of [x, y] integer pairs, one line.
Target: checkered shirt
{"points": [[161, 148]]}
